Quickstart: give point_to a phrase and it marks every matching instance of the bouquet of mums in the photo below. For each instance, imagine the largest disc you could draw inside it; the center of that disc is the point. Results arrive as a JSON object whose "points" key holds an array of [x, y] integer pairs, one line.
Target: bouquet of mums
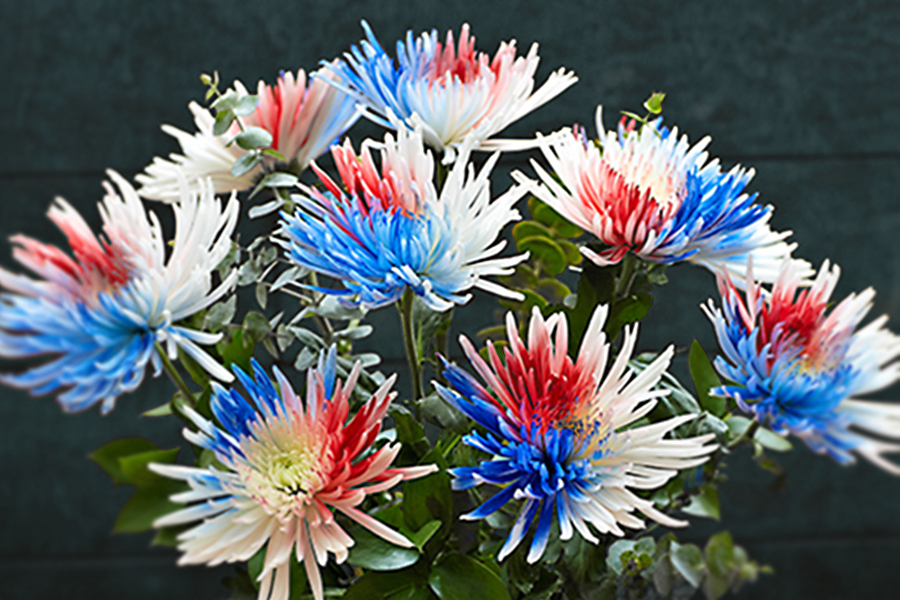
{"points": [[549, 460]]}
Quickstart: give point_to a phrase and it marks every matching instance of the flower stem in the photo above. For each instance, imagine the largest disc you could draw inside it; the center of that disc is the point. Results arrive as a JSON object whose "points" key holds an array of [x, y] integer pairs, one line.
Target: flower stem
{"points": [[442, 171], [173, 374], [747, 434], [412, 353]]}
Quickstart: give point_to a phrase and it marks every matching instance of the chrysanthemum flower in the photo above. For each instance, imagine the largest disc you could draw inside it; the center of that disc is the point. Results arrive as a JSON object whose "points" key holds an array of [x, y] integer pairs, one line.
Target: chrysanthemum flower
{"points": [[303, 121], [558, 432], [802, 370], [649, 192], [102, 311], [449, 91], [288, 466], [384, 233]]}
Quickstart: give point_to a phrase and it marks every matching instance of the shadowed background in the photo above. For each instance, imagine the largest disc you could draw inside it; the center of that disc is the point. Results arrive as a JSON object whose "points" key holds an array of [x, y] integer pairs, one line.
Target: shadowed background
{"points": [[802, 91]]}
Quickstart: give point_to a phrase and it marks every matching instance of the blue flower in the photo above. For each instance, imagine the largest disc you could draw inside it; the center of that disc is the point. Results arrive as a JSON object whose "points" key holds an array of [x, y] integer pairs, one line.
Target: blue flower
{"points": [[101, 313], [558, 435], [801, 370], [448, 92], [385, 233], [649, 192]]}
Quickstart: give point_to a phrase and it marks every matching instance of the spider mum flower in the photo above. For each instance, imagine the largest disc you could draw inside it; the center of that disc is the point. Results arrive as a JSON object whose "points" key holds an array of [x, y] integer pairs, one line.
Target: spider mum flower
{"points": [[383, 233], [303, 121], [102, 311], [647, 191], [449, 91], [556, 431], [803, 370], [287, 468]]}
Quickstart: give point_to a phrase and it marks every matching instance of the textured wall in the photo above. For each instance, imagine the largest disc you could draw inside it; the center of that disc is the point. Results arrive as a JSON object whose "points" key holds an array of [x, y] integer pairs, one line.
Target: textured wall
{"points": [[803, 91]]}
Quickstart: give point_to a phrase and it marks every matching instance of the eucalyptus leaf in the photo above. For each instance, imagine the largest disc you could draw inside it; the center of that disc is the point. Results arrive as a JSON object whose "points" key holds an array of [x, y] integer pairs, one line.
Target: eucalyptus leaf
{"points": [[245, 163], [252, 138], [224, 119], [688, 561], [246, 105], [268, 208], [705, 504]]}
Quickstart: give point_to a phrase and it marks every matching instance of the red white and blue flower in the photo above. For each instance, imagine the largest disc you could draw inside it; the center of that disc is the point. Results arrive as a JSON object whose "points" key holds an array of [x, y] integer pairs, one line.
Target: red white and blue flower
{"points": [[561, 433], [449, 91], [384, 233], [649, 192], [101, 313], [288, 465], [803, 370], [302, 120]]}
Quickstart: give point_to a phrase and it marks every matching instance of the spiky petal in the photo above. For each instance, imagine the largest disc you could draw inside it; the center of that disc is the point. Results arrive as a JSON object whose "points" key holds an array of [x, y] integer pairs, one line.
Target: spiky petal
{"points": [[101, 312], [557, 432], [288, 466], [448, 91], [804, 370]]}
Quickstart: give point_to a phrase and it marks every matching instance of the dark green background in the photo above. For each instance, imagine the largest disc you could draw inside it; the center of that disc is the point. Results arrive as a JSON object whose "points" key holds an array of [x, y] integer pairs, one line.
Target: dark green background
{"points": [[805, 91]]}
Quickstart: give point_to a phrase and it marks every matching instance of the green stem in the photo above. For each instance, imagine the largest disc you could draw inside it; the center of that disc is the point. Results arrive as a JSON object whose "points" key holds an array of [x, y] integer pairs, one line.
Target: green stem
{"points": [[442, 172], [626, 277], [323, 323], [412, 353], [173, 374]]}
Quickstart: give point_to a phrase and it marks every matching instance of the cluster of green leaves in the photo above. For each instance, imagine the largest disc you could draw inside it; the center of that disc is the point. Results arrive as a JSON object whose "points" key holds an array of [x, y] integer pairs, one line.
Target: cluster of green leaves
{"points": [[677, 570], [229, 108], [125, 461], [547, 237]]}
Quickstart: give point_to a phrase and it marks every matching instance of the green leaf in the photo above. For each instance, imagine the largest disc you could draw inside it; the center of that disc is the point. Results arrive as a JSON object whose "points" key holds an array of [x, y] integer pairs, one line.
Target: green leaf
{"points": [[425, 533], [262, 294], [573, 254], [615, 553], [255, 327], [705, 378], [664, 576], [458, 577], [245, 164], [438, 412], [653, 104], [688, 561], [225, 102], [134, 466], [373, 553], [197, 373], [630, 309], [168, 536], [163, 410], [428, 499], [411, 434], [235, 351], [220, 315], [705, 504], [418, 592], [246, 105], [252, 138], [527, 229], [146, 505], [545, 250], [719, 561], [771, 440], [224, 119], [279, 180], [107, 456], [274, 154], [383, 585]]}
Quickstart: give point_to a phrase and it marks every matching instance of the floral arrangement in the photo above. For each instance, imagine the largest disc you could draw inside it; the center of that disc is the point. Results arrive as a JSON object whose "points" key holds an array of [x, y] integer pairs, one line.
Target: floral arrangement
{"points": [[550, 466]]}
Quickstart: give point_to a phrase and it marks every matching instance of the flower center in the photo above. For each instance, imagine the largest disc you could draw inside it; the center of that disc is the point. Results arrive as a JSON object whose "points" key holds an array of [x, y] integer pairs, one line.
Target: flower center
{"points": [[284, 475]]}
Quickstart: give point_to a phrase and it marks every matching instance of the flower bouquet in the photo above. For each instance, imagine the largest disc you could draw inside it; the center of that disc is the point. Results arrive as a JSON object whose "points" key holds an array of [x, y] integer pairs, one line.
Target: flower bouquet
{"points": [[554, 460]]}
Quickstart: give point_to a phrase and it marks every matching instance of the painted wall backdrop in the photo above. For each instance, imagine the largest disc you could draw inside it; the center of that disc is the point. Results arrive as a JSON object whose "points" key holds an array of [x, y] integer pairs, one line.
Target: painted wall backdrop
{"points": [[806, 92]]}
